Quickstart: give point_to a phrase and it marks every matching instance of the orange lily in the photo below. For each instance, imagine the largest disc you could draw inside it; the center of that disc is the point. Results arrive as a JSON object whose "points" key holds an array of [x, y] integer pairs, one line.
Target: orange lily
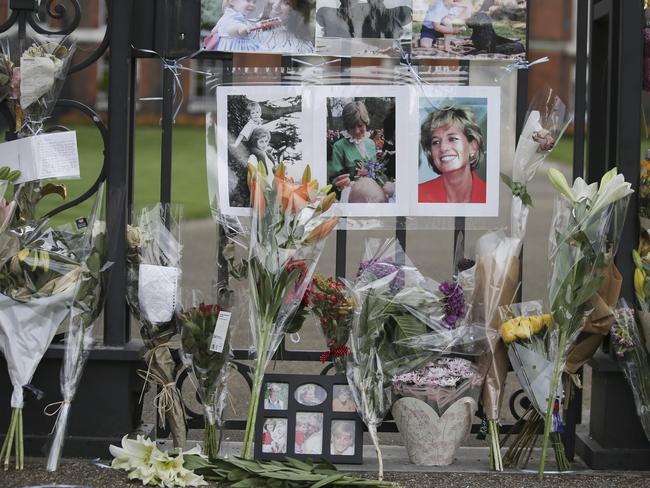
{"points": [[256, 185], [322, 230]]}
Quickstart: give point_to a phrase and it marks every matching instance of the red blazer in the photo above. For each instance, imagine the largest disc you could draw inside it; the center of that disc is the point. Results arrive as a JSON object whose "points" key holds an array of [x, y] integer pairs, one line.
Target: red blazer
{"points": [[433, 191]]}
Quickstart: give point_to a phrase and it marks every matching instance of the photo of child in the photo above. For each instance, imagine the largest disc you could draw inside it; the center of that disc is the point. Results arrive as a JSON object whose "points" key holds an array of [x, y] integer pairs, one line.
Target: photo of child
{"points": [[309, 433], [265, 26], [361, 149], [274, 436], [276, 396], [469, 29], [310, 394], [342, 441], [343, 401]]}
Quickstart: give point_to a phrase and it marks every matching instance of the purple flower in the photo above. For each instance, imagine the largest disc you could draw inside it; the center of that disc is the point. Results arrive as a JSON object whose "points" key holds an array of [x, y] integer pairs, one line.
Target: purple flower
{"points": [[376, 269], [622, 339], [454, 303]]}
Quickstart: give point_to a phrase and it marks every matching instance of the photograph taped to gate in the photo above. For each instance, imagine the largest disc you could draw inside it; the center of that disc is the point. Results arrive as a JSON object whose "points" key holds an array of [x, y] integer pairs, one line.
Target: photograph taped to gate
{"points": [[364, 141], [260, 26], [374, 28], [469, 29], [458, 152], [253, 124]]}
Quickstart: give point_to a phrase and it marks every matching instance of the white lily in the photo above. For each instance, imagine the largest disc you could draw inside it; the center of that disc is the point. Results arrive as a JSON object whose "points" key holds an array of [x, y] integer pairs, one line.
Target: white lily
{"points": [[188, 478], [145, 473], [133, 453], [582, 191], [614, 189], [559, 182]]}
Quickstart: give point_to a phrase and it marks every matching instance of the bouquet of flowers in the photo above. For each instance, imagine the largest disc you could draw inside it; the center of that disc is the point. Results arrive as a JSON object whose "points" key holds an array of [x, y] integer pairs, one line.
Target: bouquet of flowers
{"points": [[497, 254], [86, 307], [374, 169], [401, 321], [289, 226], [630, 348], [206, 353], [585, 230], [153, 281], [32, 73], [37, 287], [333, 308], [525, 330]]}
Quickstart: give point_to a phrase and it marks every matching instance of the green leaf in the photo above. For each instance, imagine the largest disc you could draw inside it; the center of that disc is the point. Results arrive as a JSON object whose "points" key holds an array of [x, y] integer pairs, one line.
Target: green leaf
{"points": [[326, 481], [296, 463]]}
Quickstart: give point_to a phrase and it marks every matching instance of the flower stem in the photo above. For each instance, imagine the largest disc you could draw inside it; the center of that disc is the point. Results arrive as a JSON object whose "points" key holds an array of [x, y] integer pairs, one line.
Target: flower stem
{"points": [[9, 439], [210, 439], [372, 430], [555, 382], [20, 446], [256, 390], [496, 461]]}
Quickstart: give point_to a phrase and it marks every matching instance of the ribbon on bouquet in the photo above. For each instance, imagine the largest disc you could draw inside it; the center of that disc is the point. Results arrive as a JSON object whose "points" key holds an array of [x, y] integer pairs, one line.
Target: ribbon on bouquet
{"points": [[58, 407]]}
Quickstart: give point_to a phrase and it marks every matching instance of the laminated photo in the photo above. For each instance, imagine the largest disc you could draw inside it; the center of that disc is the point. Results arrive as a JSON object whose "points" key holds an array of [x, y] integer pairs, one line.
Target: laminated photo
{"points": [[458, 152], [258, 26], [373, 28], [257, 124], [469, 29], [364, 142]]}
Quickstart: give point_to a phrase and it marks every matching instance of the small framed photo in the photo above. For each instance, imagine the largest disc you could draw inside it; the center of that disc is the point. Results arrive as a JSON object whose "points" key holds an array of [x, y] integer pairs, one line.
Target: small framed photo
{"points": [[342, 400], [458, 152], [276, 396], [308, 417], [364, 140], [274, 435]]}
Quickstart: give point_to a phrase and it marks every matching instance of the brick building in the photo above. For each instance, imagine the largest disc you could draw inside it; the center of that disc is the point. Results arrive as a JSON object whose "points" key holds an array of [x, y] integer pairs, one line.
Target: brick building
{"points": [[552, 34]]}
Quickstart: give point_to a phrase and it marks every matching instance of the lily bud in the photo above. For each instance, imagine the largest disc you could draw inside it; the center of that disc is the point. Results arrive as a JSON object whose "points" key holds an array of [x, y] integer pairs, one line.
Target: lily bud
{"points": [[321, 231], [261, 168], [306, 175], [639, 283], [559, 182], [636, 257], [327, 202], [280, 171], [326, 190], [606, 179]]}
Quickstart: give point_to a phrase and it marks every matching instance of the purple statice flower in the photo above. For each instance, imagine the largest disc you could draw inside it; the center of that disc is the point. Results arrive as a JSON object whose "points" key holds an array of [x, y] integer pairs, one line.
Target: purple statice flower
{"points": [[373, 169], [454, 303], [377, 268], [622, 339]]}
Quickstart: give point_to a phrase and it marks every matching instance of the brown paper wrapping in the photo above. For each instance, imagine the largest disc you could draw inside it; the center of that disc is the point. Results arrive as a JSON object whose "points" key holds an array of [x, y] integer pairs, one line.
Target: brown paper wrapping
{"points": [[598, 322], [495, 285], [162, 374]]}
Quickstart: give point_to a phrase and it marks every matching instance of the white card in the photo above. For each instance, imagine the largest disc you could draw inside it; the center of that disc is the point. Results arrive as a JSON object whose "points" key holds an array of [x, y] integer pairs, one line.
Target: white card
{"points": [[44, 156], [157, 292], [220, 332]]}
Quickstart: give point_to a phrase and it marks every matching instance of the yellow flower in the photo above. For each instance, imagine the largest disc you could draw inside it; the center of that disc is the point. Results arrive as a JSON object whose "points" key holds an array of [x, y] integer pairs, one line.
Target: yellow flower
{"points": [[524, 329], [536, 323], [508, 331], [547, 320], [22, 255], [639, 283]]}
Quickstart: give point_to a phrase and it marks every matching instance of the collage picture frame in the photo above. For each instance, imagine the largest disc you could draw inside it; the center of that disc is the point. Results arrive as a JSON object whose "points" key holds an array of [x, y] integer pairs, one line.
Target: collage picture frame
{"points": [[369, 148], [308, 416]]}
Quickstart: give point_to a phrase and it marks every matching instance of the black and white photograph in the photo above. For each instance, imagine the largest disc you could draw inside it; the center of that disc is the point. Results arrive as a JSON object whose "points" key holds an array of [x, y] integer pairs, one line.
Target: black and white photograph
{"points": [[363, 143], [310, 394], [309, 433], [458, 163], [276, 396], [469, 29], [376, 28], [342, 400], [274, 435], [260, 26], [342, 438], [256, 124]]}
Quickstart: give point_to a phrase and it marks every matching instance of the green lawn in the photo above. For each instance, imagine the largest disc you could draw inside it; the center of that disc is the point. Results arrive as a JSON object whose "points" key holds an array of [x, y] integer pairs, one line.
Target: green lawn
{"points": [[189, 174]]}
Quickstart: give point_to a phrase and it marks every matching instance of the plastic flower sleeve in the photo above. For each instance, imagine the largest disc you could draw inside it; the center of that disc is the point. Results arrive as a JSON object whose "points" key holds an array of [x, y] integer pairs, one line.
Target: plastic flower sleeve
{"points": [[289, 226], [86, 307], [37, 288], [153, 283], [629, 347], [206, 353], [38, 69]]}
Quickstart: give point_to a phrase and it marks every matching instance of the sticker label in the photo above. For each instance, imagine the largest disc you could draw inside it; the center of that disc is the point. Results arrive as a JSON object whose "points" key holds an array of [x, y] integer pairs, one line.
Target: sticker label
{"points": [[220, 332]]}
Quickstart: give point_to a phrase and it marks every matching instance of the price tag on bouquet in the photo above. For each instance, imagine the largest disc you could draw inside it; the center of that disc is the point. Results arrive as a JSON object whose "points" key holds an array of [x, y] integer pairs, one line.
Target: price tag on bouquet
{"points": [[220, 332], [42, 157]]}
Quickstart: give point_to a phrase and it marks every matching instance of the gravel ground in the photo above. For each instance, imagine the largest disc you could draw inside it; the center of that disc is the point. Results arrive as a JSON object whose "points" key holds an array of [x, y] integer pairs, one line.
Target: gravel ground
{"points": [[84, 474]]}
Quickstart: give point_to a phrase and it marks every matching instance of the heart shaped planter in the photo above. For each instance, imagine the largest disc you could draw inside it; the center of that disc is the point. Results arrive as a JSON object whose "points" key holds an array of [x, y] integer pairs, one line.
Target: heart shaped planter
{"points": [[430, 439]]}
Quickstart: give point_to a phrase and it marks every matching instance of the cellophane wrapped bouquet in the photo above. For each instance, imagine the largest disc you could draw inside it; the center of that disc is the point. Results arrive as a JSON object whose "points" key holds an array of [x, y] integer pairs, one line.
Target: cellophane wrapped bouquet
{"points": [[585, 232], [289, 226], [206, 353], [153, 284], [32, 72], [401, 322], [40, 274], [87, 305], [497, 253], [630, 348]]}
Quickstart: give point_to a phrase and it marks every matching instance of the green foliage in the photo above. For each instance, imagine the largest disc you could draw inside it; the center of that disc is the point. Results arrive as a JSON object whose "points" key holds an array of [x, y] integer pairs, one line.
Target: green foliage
{"points": [[240, 473]]}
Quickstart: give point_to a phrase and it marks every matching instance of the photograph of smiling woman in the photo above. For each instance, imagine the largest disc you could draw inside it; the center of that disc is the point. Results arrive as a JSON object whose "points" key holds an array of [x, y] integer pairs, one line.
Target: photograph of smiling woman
{"points": [[454, 147]]}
